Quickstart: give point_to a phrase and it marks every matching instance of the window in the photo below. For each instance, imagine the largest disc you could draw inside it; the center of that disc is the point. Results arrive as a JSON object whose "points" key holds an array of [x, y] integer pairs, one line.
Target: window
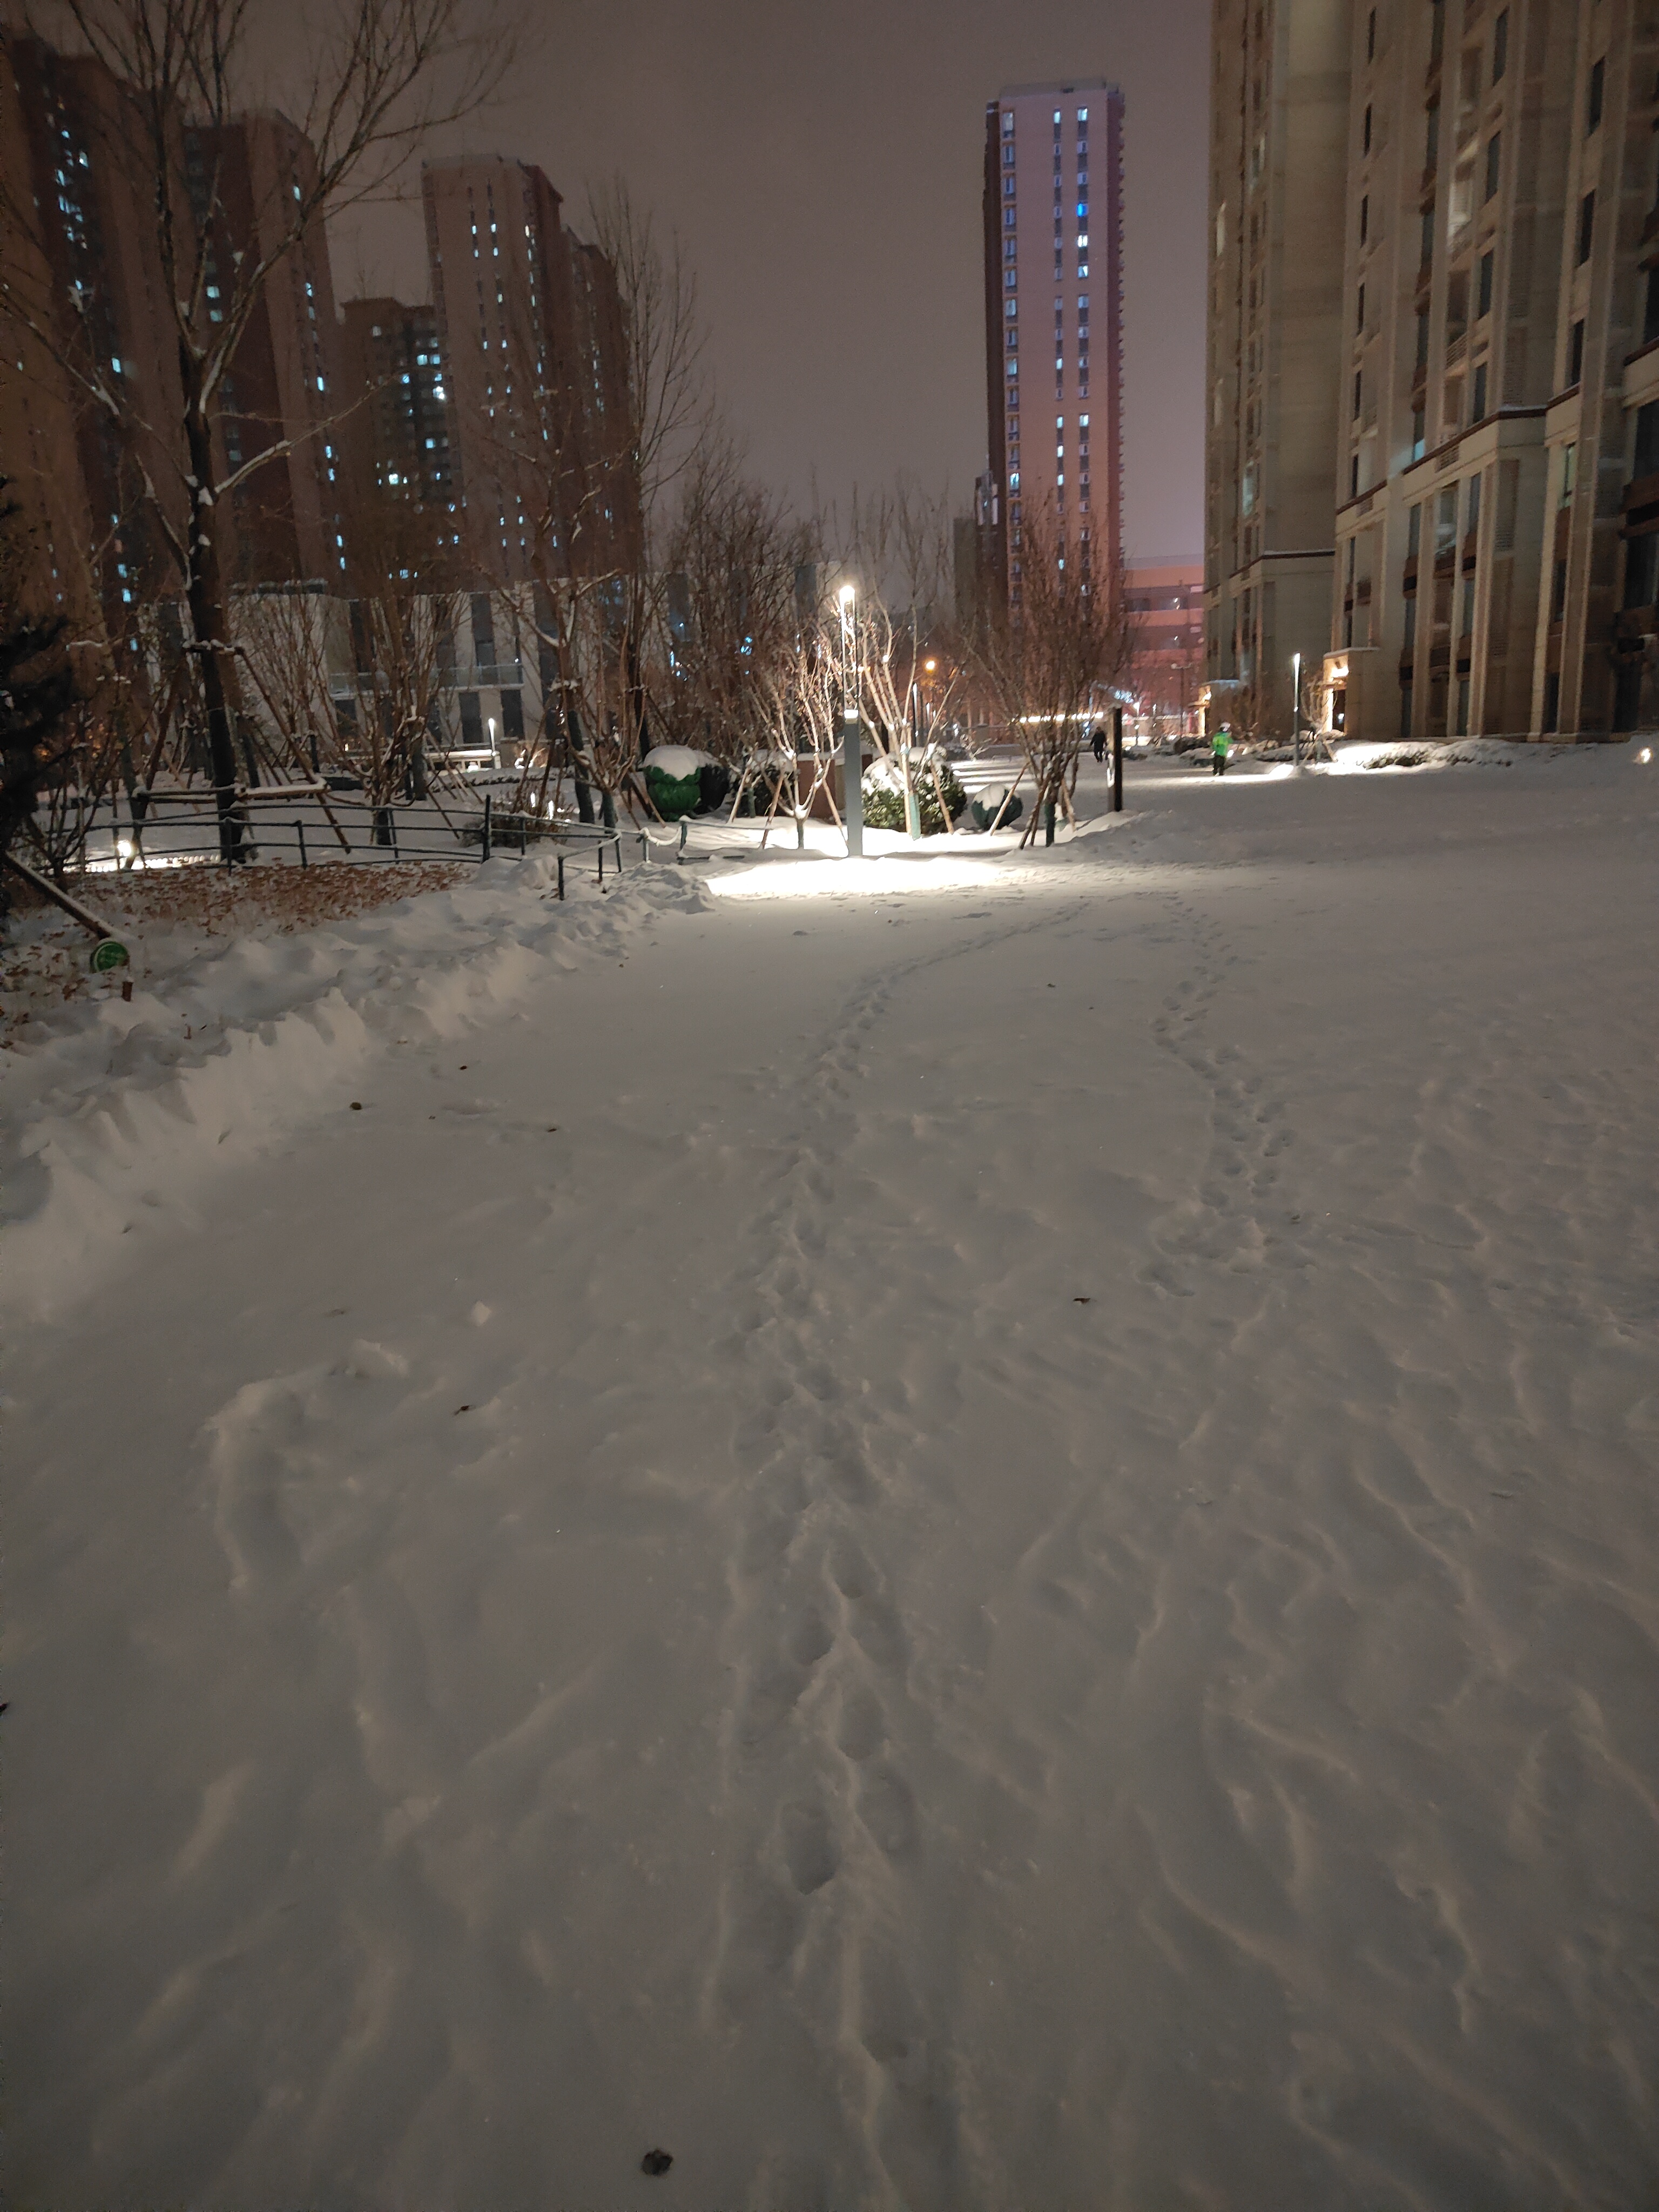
{"points": [[1500, 45], [1364, 218], [1007, 122], [1413, 532], [1569, 472], [1483, 293], [1359, 390], [1472, 519], [1012, 307], [1426, 251], [1371, 36], [1353, 485], [1575, 353], [1083, 115], [1494, 155], [1365, 135], [1477, 406], [1359, 316], [1552, 698], [1641, 570], [1650, 308], [1593, 117], [1645, 462], [1586, 227], [1431, 148]]}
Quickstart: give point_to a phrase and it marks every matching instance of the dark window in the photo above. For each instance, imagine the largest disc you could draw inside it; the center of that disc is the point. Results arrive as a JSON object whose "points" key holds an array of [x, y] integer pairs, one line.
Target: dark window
{"points": [[1552, 703], [1575, 353], [1358, 389], [1405, 709], [1371, 36], [1471, 521], [1500, 45], [1413, 533], [1558, 593], [1594, 114], [1484, 291], [1354, 486], [1359, 319], [1422, 342], [1431, 149], [1366, 145], [1427, 252], [1494, 154], [1416, 435], [1641, 570], [1364, 218], [471, 720], [1478, 409], [512, 715], [1650, 309], [1586, 226], [1646, 461]]}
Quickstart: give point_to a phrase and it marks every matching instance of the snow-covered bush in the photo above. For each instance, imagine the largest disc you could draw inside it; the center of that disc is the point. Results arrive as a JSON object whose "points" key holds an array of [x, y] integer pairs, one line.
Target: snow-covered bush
{"points": [[883, 794]]}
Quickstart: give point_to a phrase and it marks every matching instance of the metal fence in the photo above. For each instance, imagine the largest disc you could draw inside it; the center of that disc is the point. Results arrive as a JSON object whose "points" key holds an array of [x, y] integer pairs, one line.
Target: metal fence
{"points": [[174, 829]]}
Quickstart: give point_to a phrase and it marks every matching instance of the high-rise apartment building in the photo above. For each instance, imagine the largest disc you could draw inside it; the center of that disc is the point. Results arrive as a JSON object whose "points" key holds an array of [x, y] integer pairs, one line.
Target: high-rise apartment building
{"points": [[534, 346], [1491, 488], [1053, 219], [80, 253], [1279, 120], [283, 393], [395, 436]]}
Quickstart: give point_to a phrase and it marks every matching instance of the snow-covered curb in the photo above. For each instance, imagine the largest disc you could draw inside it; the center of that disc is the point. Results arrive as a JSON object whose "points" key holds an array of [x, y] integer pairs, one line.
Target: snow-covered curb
{"points": [[136, 1104]]}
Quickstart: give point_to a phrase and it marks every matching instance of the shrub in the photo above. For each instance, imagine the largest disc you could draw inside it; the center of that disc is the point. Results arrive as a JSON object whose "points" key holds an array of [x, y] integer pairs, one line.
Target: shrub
{"points": [[883, 796]]}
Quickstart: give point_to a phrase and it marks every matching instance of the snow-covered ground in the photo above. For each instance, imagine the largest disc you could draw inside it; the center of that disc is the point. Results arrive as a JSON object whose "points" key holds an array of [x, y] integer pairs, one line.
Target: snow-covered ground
{"points": [[982, 1535]]}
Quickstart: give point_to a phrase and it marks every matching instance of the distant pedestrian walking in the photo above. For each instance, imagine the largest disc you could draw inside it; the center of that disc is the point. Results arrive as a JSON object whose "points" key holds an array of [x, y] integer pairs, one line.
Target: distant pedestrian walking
{"points": [[1221, 746], [1099, 742]]}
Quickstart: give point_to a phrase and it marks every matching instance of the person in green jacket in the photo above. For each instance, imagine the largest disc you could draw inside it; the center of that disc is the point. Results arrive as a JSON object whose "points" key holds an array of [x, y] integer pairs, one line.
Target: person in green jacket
{"points": [[1221, 746]]}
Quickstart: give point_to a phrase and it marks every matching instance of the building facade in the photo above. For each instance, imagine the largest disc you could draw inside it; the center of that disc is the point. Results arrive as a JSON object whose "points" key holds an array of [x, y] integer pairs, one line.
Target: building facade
{"points": [[1278, 123], [1492, 482], [534, 344], [1053, 231], [1166, 598], [284, 393], [91, 308]]}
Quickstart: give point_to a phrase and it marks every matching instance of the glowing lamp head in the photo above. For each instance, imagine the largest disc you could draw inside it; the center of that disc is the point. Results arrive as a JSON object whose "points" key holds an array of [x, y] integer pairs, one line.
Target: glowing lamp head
{"points": [[930, 665], [845, 595]]}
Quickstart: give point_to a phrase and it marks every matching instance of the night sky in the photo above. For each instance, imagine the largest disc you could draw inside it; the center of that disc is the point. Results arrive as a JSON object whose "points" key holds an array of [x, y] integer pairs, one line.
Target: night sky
{"points": [[822, 165]]}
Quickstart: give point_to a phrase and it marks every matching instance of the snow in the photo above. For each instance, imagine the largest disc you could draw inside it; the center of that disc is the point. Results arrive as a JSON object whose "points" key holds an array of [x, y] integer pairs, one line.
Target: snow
{"points": [[677, 761], [972, 1530]]}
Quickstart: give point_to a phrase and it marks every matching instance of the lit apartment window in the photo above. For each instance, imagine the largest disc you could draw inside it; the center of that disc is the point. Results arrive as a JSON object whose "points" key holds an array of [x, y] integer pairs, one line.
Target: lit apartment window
{"points": [[1007, 122], [1083, 115]]}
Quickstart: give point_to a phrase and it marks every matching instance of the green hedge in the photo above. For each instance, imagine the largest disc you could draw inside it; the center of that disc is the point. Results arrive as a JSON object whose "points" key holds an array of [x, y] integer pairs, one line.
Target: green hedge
{"points": [[885, 809]]}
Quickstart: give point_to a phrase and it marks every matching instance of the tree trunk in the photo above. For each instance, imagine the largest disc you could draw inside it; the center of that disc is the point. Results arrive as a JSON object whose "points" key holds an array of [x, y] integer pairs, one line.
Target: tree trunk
{"points": [[210, 626]]}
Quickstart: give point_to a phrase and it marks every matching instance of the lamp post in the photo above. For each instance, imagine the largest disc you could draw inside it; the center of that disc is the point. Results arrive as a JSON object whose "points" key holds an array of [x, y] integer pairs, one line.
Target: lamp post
{"points": [[1296, 710], [851, 764]]}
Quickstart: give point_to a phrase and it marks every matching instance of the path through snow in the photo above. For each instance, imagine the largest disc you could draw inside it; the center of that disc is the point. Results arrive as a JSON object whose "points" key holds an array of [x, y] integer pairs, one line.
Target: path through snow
{"points": [[943, 1547]]}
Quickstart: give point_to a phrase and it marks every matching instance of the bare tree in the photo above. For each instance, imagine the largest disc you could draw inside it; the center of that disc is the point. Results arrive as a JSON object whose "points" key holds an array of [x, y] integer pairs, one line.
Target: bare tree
{"points": [[1069, 637], [376, 76]]}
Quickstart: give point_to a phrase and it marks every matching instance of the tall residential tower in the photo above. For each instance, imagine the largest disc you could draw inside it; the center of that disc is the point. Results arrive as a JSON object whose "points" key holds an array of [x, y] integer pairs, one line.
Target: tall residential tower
{"points": [[1433, 444], [1054, 278]]}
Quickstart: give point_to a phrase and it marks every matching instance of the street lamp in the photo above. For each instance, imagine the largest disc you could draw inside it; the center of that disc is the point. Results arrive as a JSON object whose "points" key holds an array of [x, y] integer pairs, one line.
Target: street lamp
{"points": [[851, 764]]}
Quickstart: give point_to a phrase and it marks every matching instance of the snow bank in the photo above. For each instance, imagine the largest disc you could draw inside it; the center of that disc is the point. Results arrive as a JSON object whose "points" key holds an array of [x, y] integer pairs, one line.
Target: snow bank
{"points": [[128, 1106]]}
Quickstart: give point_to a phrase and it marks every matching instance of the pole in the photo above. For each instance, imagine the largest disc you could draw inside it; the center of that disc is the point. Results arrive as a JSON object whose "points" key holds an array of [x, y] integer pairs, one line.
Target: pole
{"points": [[1296, 710], [1117, 760], [852, 762]]}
